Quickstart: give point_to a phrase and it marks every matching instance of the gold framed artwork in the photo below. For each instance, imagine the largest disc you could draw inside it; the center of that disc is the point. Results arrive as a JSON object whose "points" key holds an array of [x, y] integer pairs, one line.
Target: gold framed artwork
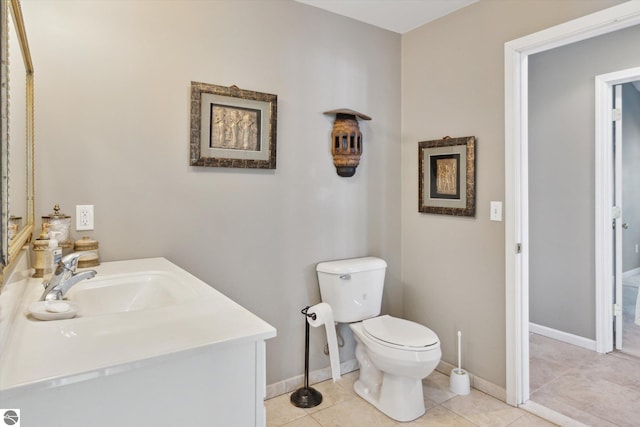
{"points": [[446, 183], [232, 127]]}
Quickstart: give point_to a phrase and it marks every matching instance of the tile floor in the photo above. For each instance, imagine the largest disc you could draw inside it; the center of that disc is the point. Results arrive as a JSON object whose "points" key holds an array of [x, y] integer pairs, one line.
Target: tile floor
{"points": [[595, 389], [341, 407]]}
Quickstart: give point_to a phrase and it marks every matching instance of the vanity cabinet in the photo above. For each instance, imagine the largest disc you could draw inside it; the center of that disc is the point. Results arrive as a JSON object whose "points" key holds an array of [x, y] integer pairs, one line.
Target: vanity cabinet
{"points": [[217, 385], [197, 361]]}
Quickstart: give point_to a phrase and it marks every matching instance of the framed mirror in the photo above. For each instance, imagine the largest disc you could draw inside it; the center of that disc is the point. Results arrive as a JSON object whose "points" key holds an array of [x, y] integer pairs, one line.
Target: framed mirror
{"points": [[16, 150]]}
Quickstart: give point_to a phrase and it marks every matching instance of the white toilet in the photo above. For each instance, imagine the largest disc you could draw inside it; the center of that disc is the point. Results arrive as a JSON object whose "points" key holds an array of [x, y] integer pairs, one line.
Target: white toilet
{"points": [[394, 354]]}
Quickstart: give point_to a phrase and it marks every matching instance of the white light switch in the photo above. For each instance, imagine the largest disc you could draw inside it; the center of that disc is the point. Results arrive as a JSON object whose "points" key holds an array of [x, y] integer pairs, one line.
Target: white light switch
{"points": [[496, 211]]}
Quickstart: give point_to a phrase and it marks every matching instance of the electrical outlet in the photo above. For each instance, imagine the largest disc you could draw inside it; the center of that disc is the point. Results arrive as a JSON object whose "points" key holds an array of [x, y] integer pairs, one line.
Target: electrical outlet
{"points": [[84, 217]]}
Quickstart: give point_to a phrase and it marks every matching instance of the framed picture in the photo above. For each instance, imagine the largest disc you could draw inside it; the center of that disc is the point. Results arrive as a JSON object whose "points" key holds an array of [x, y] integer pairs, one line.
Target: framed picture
{"points": [[447, 176], [232, 127]]}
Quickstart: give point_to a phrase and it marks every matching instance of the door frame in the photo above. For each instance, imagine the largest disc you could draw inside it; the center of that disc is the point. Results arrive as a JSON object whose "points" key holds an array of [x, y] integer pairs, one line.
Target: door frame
{"points": [[516, 176], [604, 161]]}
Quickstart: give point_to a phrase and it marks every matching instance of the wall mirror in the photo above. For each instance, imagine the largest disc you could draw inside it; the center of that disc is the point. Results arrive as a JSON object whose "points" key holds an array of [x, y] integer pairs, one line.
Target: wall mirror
{"points": [[16, 150]]}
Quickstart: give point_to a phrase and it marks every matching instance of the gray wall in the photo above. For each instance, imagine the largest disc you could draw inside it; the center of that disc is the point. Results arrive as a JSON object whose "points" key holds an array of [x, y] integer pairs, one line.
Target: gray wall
{"points": [[630, 176], [562, 177], [453, 84], [112, 126]]}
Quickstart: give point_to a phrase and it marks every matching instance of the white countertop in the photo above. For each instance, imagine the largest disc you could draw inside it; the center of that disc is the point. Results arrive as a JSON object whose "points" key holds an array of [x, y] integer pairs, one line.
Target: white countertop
{"points": [[52, 353]]}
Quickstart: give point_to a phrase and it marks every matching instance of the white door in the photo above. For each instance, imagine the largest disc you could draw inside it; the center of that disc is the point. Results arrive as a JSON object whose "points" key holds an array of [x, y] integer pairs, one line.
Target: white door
{"points": [[618, 216]]}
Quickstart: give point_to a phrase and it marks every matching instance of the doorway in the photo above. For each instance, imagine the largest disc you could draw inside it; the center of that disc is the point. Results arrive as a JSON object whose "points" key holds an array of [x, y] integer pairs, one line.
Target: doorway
{"points": [[615, 177], [516, 169], [627, 299], [590, 387]]}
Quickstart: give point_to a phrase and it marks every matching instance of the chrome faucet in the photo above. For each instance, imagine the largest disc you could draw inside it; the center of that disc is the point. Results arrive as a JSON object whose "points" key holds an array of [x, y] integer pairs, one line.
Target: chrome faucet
{"points": [[65, 277]]}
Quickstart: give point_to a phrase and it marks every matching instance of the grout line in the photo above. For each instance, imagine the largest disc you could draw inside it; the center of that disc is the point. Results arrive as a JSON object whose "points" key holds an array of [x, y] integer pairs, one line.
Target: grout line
{"points": [[583, 371]]}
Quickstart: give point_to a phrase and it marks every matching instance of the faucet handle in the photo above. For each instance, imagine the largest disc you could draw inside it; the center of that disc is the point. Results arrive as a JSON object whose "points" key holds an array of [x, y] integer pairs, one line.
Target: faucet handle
{"points": [[70, 262]]}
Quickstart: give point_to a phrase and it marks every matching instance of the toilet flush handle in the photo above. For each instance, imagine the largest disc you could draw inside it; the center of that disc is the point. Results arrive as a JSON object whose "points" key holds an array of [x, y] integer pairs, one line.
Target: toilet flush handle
{"points": [[345, 277]]}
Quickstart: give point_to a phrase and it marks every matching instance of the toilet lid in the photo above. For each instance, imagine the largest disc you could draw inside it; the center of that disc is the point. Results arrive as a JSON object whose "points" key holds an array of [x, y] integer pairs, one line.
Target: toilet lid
{"points": [[399, 332]]}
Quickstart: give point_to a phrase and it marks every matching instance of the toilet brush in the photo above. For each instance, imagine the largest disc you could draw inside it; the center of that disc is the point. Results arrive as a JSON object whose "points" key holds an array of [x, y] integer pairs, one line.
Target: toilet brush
{"points": [[459, 378], [306, 397]]}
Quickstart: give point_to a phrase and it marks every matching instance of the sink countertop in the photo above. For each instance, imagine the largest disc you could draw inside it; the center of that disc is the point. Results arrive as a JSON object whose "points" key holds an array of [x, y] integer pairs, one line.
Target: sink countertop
{"points": [[53, 353]]}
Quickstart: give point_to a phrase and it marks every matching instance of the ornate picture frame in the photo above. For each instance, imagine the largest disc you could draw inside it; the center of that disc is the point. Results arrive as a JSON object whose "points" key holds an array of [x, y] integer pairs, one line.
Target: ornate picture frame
{"points": [[232, 127], [446, 182]]}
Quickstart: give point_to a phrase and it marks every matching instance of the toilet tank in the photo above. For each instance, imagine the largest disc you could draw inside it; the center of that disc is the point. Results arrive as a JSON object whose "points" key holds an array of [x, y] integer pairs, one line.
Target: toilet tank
{"points": [[352, 287]]}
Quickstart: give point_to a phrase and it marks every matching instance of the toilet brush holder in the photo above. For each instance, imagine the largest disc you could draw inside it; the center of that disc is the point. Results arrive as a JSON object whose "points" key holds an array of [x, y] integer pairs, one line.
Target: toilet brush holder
{"points": [[459, 379], [459, 382], [306, 397]]}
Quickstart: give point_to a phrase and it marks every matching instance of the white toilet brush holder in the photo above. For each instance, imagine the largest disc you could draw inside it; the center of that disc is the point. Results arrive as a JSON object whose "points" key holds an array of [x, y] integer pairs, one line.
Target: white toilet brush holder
{"points": [[459, 379]]}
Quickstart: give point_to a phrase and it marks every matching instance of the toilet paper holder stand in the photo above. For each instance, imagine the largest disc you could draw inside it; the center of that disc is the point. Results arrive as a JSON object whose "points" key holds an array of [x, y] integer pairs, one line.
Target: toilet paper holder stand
{"points": [[305, 396]]}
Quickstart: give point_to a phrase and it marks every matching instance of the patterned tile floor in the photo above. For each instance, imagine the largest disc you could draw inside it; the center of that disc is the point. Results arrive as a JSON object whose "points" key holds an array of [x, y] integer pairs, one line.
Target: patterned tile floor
{"points": [[596, 389], [341, 407]]}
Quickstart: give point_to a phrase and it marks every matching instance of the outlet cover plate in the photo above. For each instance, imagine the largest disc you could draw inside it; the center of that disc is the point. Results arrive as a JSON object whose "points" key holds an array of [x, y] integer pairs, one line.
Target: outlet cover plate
{"points": [[84, 217]]}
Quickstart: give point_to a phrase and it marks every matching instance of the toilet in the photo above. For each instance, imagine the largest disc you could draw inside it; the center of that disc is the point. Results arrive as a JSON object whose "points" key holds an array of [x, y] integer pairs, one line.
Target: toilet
{"points": [[394, 354]]}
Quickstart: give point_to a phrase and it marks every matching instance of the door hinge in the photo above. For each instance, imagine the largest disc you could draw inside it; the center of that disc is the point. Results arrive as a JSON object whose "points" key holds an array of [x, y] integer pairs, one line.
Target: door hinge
{"points": [[616, 212], [616, 114], [518, 248], [617, 310]]}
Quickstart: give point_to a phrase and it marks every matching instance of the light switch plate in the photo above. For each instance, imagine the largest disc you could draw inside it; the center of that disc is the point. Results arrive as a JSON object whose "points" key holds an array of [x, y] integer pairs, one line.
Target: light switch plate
{"points": [[496, 211]]}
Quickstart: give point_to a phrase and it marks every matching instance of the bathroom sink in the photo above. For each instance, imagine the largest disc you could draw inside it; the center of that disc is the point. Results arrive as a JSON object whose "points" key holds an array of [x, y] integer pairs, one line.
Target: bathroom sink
{"points": [[132, 312], [129, 292], [144, 329]]}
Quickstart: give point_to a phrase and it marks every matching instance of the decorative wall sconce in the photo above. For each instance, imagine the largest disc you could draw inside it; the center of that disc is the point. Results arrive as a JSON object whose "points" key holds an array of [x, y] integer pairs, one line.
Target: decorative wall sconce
{"points": [[346, 140]]}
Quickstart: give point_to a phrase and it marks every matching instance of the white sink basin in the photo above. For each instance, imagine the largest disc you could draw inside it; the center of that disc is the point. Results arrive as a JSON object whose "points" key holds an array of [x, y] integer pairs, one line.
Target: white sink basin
{"points": [[145, 328], [132, 311], [131, 292]]}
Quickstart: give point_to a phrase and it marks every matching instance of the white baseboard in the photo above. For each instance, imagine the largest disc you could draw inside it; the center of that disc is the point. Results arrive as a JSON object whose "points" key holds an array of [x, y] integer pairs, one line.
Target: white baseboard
{"points": [[555, 334], [293, 383], [550, 415], [477, 382]]}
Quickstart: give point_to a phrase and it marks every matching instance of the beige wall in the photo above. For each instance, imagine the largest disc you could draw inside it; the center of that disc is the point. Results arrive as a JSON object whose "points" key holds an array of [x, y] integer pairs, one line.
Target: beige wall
{"points": [[112, 126], [453, 84], [112, 130]]}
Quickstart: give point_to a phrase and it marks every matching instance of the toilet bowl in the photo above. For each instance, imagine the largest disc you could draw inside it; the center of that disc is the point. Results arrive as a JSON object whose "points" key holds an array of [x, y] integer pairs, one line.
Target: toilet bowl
{"points": [[394, 356]]}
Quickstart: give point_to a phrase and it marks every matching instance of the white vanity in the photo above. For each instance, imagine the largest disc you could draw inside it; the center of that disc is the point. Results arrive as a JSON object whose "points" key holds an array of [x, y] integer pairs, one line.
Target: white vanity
{"points": [[151, 345]]}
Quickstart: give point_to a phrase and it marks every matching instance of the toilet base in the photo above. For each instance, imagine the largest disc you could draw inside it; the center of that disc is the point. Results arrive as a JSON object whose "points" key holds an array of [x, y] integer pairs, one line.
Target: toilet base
{"points": [[398, 397], [391, 380]]}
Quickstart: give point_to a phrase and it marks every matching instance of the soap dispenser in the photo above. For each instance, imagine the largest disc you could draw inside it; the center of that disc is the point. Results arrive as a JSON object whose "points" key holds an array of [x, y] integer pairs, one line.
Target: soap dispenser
{"points": [[55, 254], [52, 255]]}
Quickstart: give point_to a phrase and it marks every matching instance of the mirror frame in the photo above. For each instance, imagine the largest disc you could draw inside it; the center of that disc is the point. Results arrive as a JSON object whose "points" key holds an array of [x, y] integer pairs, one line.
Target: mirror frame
{"points": [[9, 249]]}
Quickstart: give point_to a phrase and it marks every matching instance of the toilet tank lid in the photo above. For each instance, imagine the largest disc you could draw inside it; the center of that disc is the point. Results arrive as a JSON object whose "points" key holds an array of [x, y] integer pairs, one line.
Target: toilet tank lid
{"points": [[353, 265]]}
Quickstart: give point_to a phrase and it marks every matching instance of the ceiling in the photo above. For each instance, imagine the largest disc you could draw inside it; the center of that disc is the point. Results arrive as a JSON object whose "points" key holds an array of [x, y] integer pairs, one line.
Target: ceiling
{"points": [[398, 16]]}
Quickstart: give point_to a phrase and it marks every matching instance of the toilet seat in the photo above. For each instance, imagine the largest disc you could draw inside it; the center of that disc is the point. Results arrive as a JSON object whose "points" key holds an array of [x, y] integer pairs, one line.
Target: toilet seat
{"points": [[400, 333]]}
